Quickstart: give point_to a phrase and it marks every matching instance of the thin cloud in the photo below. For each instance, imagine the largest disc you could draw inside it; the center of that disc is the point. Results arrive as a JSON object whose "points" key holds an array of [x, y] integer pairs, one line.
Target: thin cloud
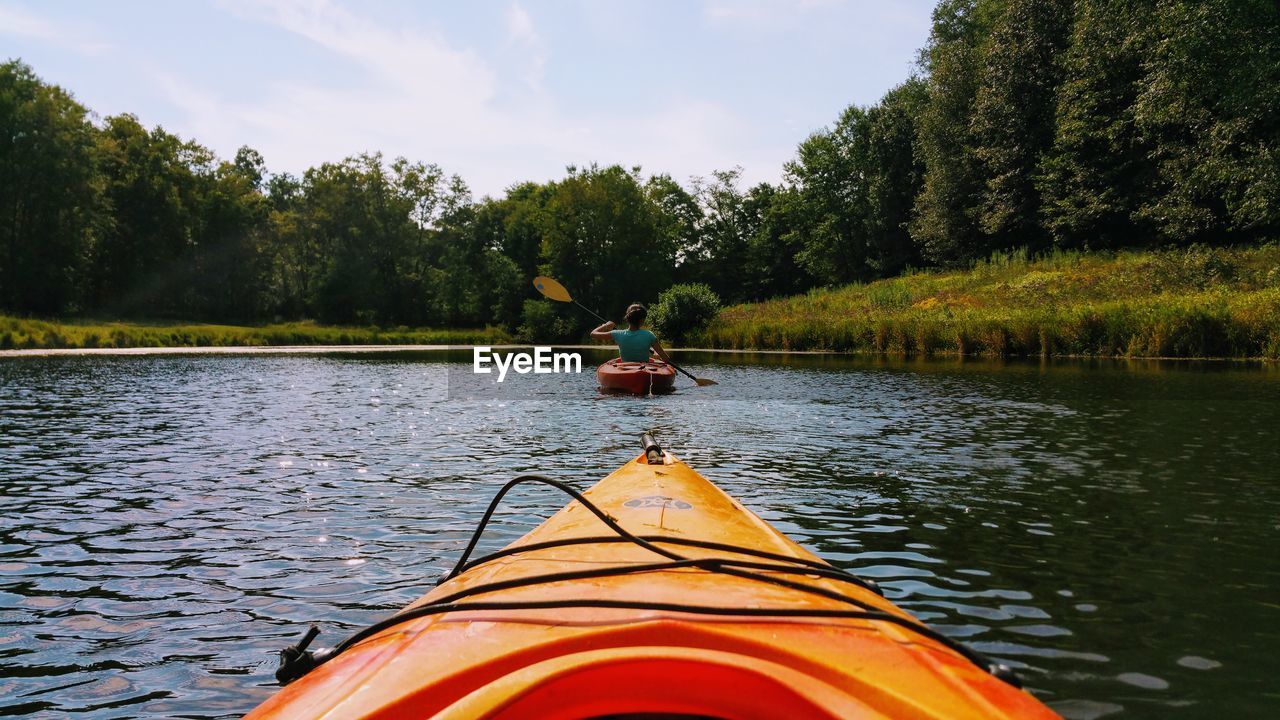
{"points": [[19, 23], [523, 35], [498, 105], [409, 58], [429, 100], [763, 13]]}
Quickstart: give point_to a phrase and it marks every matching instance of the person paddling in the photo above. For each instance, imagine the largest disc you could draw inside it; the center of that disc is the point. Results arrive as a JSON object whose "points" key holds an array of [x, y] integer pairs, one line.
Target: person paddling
{"points": [[634, 343]]}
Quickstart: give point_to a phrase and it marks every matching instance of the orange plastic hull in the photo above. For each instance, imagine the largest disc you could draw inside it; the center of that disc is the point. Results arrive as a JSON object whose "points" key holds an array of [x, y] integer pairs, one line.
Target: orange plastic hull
{"points": [[637, 378], [585, 662]]}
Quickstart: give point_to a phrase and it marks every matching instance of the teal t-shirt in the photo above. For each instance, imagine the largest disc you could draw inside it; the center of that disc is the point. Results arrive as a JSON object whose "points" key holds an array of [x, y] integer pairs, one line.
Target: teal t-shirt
{"points": [[633, 345]]}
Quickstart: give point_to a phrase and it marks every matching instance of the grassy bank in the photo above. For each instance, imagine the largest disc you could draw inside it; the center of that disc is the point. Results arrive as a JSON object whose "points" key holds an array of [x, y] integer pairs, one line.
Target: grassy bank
{"points": [[20, 333], [1189, 303]]}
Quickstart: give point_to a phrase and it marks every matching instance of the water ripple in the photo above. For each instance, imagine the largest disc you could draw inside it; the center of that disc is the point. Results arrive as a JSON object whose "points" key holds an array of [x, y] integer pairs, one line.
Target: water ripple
{"points": [[167, 523]]}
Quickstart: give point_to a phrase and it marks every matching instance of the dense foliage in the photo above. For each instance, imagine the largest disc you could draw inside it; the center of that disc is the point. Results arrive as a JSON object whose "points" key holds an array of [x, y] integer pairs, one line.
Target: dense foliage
{"points": [[1044, 125], [683, 309]]}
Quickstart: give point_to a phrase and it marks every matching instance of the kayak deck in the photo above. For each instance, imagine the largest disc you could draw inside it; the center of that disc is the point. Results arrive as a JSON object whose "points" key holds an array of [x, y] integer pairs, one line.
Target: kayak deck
{"points": [[571, 622], [638, 378]]}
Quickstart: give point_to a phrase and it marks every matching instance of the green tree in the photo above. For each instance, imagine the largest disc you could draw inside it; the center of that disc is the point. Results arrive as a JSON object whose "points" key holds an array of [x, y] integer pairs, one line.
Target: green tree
{"points": [[509, 230], [1013, 117], [375, 238], [1210, 111], [441, 254], [154, 182], [601, 238], [51, 208], [294, 254], [522, 211], [508, 289], [684, 309], [856, 184], [1097, 172], [894, 177], [506, 281], [724, 230], [351, 212], [773, 250], [832, 207], [945, 217], [231, 267], [679, 219], [249, 165]]}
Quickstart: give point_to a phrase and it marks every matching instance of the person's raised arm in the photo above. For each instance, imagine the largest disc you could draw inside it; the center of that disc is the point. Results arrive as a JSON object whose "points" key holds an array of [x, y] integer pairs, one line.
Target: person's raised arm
{"points": [[602, 333]]}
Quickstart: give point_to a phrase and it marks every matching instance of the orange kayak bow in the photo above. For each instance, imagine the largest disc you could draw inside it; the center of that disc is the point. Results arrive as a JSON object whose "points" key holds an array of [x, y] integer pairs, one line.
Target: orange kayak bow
{"points": [[653, 594]]}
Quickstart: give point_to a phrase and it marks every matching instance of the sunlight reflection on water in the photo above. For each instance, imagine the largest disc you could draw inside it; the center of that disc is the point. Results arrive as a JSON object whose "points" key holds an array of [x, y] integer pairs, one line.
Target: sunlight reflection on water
{"points": [[167, 523]]}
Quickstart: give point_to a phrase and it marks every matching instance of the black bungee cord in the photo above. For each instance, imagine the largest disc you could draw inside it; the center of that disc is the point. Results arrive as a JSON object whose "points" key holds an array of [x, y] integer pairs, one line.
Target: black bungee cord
{"points": [[296, 660]]}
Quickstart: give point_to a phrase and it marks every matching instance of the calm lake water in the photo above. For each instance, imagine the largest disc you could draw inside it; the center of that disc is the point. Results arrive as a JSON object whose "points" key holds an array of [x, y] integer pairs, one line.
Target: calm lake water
{"points": [[168, 523]]}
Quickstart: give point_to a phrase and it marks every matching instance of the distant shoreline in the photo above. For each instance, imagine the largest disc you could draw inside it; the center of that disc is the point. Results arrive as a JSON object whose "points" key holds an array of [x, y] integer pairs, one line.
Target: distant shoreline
{"points": [[338, 349], [31, 334], [392, 349]]}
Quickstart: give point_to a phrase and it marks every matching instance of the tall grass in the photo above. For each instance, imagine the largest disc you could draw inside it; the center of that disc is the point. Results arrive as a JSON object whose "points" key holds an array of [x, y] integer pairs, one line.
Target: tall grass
{"points": [[1197, 302], [20, 333]]}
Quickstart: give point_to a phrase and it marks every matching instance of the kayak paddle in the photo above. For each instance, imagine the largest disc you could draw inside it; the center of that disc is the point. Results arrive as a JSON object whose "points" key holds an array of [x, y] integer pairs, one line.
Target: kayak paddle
{"points": [[553, 290], [702, 382]]}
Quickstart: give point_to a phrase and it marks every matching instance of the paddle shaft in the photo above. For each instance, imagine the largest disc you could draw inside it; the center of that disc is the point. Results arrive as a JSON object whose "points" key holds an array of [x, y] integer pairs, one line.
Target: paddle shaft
{"points": [[686, 372], [593, 312]]}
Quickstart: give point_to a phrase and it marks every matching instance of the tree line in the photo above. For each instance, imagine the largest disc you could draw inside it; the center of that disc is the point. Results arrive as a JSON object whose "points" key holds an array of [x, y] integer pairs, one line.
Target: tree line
{"points": [[1038, 124]]}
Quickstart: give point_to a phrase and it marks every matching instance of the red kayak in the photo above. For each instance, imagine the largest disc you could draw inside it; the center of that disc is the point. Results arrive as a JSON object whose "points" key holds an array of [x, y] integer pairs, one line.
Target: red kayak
{"points": [[639, 378]]}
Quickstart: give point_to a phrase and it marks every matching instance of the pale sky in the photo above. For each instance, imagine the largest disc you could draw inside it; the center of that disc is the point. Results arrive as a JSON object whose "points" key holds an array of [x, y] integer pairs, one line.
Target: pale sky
{"points": [[497, 91]]}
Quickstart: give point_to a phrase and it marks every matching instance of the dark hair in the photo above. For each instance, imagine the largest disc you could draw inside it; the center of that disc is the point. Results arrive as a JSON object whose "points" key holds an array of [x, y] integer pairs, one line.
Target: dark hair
{"points": [[636, 314]]}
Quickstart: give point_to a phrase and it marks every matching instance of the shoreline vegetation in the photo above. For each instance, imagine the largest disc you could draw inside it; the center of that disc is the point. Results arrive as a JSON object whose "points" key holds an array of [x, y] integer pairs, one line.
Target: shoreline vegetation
{"points": [[34, 334], [1143, 134], [1067, 125], [1194, 303]]}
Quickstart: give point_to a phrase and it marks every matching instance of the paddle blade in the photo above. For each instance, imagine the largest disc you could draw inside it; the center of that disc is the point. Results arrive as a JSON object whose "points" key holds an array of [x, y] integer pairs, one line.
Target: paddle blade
{"points": [[551, 289], [703, 382]]}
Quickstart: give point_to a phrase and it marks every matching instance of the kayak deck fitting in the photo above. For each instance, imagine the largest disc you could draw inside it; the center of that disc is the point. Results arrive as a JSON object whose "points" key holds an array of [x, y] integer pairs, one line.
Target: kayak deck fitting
{"points": [[651, 593]]}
